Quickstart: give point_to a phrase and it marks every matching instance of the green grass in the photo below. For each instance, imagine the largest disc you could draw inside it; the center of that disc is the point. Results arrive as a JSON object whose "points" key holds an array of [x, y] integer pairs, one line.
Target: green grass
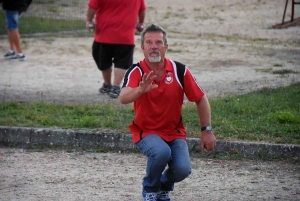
{"points": [[271, 115], [65, 116], [29, 25], [267, 115]]}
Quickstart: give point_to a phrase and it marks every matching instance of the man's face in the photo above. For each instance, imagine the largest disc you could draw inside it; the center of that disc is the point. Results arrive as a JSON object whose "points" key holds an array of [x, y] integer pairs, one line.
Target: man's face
{"points": [[154, 48]]}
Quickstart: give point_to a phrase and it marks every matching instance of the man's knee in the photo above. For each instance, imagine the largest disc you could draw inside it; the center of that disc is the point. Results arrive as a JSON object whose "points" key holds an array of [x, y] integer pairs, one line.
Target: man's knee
{"points": [[158, 149], [161, 153], [182, 171], [164, 156]]}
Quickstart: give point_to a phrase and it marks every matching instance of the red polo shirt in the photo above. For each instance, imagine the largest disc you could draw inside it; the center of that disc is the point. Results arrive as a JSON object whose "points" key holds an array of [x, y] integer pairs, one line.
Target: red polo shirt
{"points": [[159, 111], [116, 20]]}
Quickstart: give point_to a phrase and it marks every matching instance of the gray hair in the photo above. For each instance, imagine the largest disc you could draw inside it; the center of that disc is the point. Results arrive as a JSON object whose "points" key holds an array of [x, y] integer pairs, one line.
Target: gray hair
{"points": [[154, 28]]}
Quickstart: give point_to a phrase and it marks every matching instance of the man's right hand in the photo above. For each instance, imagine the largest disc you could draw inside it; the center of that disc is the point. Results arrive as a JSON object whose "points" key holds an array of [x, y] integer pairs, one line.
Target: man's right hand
{"points": [[146, 83], [140, 27], [90, 26]]}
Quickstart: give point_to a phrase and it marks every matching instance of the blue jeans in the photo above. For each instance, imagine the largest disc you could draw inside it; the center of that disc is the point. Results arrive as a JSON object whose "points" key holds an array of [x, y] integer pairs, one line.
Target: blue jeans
{"points": [[175, 154]]}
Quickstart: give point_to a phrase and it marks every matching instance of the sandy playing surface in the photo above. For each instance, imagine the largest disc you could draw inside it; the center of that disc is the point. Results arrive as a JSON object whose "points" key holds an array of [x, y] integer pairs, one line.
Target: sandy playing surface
{"points": [[229, 46], [73, 176]]}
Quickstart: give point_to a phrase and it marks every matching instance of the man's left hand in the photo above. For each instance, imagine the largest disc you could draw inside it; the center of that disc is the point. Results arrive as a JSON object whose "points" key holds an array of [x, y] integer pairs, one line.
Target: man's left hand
{"points": [[208, 141]]}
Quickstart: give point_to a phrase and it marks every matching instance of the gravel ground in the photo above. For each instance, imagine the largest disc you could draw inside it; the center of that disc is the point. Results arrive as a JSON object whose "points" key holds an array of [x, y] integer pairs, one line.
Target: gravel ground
{"points": [[230, 48], [71, 176]]}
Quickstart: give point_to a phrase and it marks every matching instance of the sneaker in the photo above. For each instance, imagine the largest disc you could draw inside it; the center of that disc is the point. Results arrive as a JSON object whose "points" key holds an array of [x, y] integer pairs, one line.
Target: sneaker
{"points": [[163, 196], [114, 92], [149, 196], [105, 88], [9, 54], [18, 57]]}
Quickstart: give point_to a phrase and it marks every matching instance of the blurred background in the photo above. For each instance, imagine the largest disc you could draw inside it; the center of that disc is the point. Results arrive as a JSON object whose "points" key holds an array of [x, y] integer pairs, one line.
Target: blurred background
{"points": [[44, 16]]}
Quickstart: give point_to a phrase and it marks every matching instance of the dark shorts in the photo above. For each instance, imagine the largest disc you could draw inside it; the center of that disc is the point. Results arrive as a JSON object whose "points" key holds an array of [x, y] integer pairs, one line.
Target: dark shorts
{"points": [[107, 54], [12, 19]]}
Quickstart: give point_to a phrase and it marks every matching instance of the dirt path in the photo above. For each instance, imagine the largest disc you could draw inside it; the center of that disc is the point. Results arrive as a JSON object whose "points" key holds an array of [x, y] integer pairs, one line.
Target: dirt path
{"points": [[62, 69], [229, 47], [59, 175]]}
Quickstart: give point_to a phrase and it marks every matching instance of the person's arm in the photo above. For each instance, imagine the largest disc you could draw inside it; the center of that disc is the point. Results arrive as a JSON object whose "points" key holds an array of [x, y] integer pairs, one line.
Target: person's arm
{"points": [[129, 95], [141, 18], [142, 15], [90, 16], [208, 139]]}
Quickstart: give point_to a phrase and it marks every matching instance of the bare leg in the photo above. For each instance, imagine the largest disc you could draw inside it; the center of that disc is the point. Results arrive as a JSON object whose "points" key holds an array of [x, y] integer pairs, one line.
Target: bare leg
{"points": [[118, 76], [14, 40], [11, 45], [107, 75]]}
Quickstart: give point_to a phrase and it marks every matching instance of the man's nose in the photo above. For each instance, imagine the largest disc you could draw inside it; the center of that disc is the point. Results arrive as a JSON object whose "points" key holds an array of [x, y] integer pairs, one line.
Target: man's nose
{"points": [[153, 46]]}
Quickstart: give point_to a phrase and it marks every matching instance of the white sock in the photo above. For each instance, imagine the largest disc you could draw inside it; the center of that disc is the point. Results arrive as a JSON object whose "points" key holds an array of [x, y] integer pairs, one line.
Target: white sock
{"points": [[20, 54], [10, 51]]}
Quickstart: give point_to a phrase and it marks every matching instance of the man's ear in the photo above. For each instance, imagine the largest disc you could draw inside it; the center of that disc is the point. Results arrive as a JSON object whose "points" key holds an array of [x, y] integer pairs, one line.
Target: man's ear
{"points": [[166, 47]]}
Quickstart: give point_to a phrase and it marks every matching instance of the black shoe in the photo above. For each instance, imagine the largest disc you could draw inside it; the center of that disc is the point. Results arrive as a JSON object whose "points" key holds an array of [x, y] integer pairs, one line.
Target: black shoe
{"points": [[9, 54], [114, 92], [18, 57], [105, 88]]}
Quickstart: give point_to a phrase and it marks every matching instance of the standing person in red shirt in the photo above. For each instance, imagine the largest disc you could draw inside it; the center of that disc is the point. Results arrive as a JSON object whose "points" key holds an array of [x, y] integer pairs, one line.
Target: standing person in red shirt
{"points": [[157, 86], [114, 26]]}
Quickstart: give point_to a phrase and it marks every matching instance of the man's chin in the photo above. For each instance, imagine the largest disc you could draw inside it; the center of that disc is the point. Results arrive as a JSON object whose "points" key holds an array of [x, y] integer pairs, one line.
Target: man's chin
{"points": [[154, 59]]}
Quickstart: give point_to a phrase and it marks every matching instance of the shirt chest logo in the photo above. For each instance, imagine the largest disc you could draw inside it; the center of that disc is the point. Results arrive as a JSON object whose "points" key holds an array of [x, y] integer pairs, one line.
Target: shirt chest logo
{"points": [[169, 78]]}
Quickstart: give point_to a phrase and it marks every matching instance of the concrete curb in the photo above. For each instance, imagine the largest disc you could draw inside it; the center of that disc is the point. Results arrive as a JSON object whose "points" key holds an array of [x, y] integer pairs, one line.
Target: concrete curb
{"points": [[119, 141]]}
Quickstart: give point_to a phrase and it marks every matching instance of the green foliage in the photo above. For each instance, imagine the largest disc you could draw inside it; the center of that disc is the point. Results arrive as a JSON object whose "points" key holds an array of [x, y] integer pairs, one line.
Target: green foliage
{"points": [[285, 71], [267, 115], [284, 117], [65, 116]]}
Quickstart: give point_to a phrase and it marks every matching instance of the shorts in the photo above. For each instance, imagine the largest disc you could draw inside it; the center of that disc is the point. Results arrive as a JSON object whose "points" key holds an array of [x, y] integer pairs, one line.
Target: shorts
{"points": [[12, 19], [107, 54]]}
